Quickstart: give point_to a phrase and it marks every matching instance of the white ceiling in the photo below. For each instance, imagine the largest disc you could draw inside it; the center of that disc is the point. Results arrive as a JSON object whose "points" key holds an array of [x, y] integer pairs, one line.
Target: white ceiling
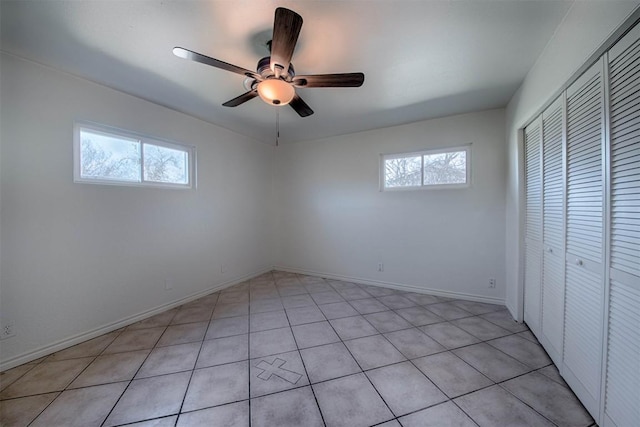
{"points": [[421, 59]]}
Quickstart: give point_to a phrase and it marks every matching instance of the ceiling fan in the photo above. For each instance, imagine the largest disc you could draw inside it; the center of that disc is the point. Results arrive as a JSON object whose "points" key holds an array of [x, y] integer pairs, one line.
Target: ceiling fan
{"points": [[275, 80]]}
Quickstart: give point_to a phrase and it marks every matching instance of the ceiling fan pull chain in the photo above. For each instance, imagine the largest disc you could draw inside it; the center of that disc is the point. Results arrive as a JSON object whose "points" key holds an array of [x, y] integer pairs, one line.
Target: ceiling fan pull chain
{"points": [[277, 126]]}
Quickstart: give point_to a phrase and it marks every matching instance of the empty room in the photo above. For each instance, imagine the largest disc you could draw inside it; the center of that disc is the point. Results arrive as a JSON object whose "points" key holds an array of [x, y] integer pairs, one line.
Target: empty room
{"points": [[261, 213]]}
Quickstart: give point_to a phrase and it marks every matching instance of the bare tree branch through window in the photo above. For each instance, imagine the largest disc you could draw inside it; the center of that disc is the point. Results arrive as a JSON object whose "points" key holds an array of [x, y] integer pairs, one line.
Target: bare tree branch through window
{"points": [[426, 169], [103, 156]]}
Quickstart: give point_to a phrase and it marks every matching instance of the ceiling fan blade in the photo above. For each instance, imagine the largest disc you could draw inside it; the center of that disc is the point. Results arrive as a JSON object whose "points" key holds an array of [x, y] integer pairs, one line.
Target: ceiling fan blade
{"points": [[286, 28], [300, 106], [330, 80], [247, 96], [203, 59]]}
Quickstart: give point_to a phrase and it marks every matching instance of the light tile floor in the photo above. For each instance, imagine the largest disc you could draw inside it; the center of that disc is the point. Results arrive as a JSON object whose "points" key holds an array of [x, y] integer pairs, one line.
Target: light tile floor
{"points": [[290, 350]]}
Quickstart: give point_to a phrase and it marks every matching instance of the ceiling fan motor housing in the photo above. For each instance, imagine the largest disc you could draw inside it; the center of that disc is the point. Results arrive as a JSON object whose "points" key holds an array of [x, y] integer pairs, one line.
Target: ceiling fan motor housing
{"points": [[264, 69]]}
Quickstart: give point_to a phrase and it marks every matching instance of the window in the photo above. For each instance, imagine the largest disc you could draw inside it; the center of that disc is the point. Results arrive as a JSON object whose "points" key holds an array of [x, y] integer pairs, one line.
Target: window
{"points": [[445, 168], [104, 155]]}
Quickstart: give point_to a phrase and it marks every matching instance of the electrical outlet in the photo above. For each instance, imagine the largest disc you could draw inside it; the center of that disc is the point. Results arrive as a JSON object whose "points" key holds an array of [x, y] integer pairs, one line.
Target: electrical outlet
{"points": [[168, 284], [223, 268], [380, 267], [7, 330], [492, 283]]}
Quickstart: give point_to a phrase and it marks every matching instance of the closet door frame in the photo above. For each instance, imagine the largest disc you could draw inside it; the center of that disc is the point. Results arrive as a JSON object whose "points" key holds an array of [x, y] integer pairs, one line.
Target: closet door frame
{"points": [[606, 171]]}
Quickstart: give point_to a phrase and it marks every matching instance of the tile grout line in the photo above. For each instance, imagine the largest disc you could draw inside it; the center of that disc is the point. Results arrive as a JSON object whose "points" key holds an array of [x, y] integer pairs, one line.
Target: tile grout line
{"points": [[525, 403], [19, 377], [499, 383], [362, 370], [494, 383], [428, 379], [45, 408], [195, 362], [137, 370], [33, 365], [72, 380], [249, 349], [44, 360], [304, 366]]}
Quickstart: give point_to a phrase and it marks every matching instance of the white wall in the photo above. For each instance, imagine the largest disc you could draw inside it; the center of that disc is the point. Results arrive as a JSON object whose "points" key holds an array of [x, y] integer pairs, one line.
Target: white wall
{"points": [[587, 25], [76, 257], [332, 219]]}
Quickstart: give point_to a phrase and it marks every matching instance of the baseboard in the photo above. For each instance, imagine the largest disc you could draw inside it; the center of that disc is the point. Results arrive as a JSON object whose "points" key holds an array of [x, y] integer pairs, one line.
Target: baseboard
{"points": [[398, 286], [77, 339], [513, 311]]}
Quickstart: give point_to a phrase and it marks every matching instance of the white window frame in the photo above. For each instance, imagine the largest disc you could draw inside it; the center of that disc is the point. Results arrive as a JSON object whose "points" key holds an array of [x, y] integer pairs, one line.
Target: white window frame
{"points": [[422, 153], [143, 139]]}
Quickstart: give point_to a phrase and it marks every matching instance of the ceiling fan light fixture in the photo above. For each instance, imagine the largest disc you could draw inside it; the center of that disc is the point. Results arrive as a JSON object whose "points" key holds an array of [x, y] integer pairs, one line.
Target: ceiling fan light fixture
{"points": [[276, 92], [272, 83]]}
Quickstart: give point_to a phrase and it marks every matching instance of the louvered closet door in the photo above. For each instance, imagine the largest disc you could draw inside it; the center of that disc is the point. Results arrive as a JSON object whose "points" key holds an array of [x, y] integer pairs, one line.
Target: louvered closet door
{"points": [[533, 228], [622, 398], [553, 229], [584, 278]]}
